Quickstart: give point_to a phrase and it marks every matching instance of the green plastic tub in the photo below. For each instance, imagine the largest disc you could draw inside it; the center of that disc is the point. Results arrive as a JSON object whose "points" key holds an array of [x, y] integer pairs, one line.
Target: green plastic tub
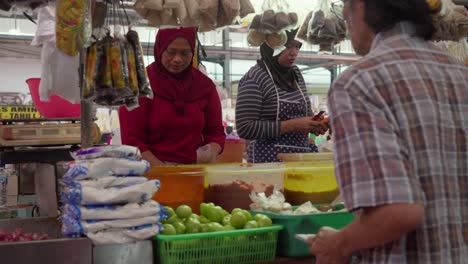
{"points": [[237, 246], [304, 224]]}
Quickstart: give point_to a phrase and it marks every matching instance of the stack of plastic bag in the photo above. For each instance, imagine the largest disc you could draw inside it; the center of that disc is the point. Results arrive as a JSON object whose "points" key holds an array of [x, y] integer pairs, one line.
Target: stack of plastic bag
{"points": [[106, 198], [206, 15], [270, 27], [325, 26]]}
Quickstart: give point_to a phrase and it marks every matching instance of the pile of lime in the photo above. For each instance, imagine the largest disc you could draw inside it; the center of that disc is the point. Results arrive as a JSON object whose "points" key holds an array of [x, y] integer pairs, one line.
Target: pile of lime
{"points": [[213, 218]]}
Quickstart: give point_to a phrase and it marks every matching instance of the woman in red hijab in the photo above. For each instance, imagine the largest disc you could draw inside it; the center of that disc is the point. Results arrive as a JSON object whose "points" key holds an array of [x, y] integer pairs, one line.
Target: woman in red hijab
{"points": [[184, 115]]}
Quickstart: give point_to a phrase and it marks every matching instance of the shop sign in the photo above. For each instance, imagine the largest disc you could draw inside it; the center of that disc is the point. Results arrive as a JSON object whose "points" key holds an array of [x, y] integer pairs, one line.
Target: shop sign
{"points": [[19, 112]]}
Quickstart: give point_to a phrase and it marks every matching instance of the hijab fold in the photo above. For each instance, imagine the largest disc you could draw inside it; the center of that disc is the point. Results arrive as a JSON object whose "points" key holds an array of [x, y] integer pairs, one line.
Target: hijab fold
{"points": [[187, 86], [284, 77]]}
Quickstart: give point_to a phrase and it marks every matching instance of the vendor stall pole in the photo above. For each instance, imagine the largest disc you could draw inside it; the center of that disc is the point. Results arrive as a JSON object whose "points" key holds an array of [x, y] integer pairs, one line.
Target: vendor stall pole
{"points": [[86, 109]]}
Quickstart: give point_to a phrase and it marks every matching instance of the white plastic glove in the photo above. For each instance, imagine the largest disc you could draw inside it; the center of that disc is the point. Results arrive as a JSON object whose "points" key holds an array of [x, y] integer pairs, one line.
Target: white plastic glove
{"points": [[205, 154]]}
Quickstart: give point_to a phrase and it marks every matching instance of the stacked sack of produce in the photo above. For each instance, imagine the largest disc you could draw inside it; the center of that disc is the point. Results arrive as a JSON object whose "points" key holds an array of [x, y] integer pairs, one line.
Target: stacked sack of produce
{"points": [[270, 27], [206, 15], [107, 199]]}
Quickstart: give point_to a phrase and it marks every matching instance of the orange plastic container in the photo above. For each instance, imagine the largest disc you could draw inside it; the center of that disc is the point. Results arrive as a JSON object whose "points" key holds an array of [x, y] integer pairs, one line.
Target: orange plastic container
{"points": [[179, 185], [233, 150]]}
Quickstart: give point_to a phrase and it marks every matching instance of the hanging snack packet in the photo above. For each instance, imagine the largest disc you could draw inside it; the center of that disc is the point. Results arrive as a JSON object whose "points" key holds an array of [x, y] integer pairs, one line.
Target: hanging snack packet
{"points": [[69, 25], [93, 58], [132, 69], [143, 81]]}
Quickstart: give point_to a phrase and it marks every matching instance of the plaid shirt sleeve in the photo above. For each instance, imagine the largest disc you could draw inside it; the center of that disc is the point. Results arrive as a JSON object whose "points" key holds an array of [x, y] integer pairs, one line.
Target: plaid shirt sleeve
{"points": [[372, 167]]}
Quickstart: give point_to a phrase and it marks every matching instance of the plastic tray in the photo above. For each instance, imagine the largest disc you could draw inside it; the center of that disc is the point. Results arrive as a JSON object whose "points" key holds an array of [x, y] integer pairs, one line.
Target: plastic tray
{"points": [[305, 182], [237, 246], [229, 185], [304, 224], [322, 157]]}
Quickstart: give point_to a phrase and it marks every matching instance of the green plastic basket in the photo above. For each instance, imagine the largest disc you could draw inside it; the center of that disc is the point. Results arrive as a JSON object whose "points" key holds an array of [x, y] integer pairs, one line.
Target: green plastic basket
{"points": [[237, 246], [304, 224]]}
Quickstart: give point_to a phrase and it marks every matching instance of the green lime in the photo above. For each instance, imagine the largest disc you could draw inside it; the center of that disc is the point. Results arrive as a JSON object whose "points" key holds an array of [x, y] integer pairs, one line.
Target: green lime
{"points": [[203, 219], [192, 226], [259, 216], [247, 214], [205, 228], [228, 228], [227, 220], [204, 207], [224, 213], [173, 219], [169, 230], [264, 222], [215, 227], [238, 220], [194, 216], [179, 227], [251, 224], [170, 211], [235, 210], [214, 215], [183, 211]]}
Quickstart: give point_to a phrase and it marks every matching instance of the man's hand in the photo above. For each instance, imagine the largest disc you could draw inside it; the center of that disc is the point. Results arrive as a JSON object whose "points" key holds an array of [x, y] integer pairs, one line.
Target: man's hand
{"points": [[327, 247]]}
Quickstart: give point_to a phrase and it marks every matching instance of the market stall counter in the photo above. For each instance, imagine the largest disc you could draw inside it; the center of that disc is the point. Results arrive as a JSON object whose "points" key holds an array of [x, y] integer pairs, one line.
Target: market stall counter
{"points": [[56, 249]]}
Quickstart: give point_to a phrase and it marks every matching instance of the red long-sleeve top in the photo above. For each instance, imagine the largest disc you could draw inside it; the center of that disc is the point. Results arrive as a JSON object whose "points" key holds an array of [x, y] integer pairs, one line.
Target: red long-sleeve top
{"points": [[170, 135]]}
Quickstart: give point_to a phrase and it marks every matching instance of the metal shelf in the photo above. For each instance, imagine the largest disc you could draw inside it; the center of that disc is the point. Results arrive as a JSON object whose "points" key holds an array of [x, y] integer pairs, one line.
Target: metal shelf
{"points": [[35, 155]]}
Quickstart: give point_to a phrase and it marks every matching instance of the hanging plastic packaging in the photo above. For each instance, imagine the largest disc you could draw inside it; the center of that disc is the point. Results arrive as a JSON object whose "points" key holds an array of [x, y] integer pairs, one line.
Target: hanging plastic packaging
{"points": [[70, 25], [93, 58], [228, 10], [246, 8], [193, 9], [132, 70], [326, 26], [302, 33], [273, 22], [115, 72], [142, 75], [208, 15], [275, 5]]}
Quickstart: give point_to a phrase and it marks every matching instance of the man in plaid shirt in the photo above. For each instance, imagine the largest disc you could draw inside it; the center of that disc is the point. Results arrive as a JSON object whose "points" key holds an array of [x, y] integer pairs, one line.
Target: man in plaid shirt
{"points": [[400, 125]]}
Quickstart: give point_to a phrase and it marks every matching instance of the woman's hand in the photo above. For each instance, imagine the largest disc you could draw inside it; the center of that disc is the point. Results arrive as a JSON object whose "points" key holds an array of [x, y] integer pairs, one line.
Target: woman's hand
{"points": [[303, 125], [151, 158], [208, 153]]}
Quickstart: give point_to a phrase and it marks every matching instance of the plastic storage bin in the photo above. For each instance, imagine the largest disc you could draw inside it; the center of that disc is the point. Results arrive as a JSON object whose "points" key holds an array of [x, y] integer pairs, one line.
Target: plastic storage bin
{"points": [[229, 185], [304, 224], [179, 185], [57, 107], [306, 181], [237, 246]]}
